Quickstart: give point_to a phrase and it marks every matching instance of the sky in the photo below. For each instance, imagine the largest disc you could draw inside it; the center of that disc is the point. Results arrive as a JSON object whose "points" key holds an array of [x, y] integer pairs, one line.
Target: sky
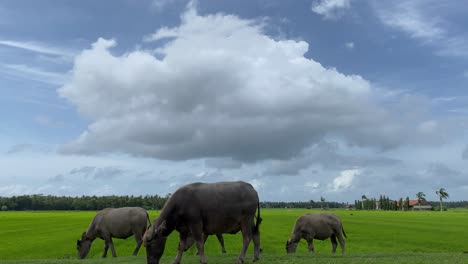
{"points": [[303, 99]]}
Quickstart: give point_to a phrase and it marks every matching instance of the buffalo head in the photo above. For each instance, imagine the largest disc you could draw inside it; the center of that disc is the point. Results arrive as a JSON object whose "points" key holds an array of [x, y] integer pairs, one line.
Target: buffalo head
{"points": [[291, 247], [155, 242], [83, 246]]}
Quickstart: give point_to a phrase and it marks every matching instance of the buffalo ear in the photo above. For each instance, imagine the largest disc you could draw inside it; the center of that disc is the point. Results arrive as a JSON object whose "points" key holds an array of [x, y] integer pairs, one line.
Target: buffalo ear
{"points": [[148, 234], [78, 242], [161, 228]]}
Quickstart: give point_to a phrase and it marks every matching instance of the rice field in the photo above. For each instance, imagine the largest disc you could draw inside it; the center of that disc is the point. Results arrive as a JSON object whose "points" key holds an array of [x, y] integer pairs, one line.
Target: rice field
{"points": [[373, 237]]}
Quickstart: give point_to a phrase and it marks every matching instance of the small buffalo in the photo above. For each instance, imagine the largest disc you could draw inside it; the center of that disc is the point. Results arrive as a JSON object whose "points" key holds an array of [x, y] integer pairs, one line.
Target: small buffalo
{"points": [[114, 223], [317, 226]]}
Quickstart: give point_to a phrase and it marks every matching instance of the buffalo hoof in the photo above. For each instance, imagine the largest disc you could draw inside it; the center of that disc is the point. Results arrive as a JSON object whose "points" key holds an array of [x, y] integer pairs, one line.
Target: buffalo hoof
{"points": [[255, 259], [240, 261]]}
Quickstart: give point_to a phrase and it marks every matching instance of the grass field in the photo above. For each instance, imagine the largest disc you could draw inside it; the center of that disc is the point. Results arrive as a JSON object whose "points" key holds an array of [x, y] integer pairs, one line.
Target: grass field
{"points": [[373, 237]]}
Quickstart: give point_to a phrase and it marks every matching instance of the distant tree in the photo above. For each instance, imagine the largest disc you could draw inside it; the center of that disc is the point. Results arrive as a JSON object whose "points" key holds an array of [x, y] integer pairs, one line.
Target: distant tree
{"points": [[407, 203], [442, 193], [400, 204], [4, 208], [322, 200], [421, 197]]}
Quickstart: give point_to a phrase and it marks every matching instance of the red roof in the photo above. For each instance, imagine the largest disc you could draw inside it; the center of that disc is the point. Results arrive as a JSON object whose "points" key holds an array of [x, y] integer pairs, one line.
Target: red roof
{"points": [[412, 202]]}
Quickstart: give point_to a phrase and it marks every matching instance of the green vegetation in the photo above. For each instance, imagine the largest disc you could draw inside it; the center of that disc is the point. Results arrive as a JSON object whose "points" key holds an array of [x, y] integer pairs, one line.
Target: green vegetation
{"points": [[373, 237]]}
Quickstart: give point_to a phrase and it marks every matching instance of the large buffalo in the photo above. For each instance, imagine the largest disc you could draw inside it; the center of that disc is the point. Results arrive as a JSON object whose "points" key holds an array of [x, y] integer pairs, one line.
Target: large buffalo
{"points": [[114, 223], [317, 226], [206, 209]]}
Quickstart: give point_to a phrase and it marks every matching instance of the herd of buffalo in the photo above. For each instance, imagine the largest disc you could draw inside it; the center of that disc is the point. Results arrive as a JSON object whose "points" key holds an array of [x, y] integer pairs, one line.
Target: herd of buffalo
{"points": [[196, 211]]}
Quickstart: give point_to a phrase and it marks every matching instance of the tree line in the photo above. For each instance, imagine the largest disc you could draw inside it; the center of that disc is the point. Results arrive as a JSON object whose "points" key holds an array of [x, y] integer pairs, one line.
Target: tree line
{"points": [[39, 202], [49, 202]]}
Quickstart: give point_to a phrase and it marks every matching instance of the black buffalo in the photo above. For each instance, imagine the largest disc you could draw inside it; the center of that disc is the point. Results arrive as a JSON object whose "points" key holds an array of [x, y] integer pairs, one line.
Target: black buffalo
{"points": [[200, 209]]}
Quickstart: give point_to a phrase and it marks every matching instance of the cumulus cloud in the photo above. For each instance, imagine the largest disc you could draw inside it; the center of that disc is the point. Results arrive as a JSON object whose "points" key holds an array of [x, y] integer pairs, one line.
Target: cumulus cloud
{"points": [[211, 93], [330, 9], [345, 180]]}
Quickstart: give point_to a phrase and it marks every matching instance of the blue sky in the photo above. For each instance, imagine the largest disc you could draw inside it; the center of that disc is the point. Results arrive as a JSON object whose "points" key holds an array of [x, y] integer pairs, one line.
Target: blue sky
{"points": [[303, 99]]}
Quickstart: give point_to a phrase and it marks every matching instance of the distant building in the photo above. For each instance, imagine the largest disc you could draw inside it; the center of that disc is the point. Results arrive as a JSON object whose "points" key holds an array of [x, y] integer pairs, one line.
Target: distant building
{"points": [[414, 205]]}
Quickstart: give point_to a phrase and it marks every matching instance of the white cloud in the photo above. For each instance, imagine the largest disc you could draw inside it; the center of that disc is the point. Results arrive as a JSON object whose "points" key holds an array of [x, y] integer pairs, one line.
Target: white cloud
{"points": [[408, 17], [312, 185], [159, 5], [268, 102], [201, 174], [427, 21], [37, 48], [330, 9], [349, 45], [345, 180], [30, 73], [257, 183]]}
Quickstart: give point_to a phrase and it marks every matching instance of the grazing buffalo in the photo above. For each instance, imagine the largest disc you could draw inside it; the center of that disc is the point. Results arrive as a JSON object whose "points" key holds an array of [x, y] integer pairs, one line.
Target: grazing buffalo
{"points": [[190, 241], [114, 223], [317, 226], [203, 209]]}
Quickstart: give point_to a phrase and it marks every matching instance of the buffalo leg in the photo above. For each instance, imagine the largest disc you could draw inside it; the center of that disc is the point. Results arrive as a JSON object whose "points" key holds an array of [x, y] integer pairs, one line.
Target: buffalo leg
{"points": [[139, 241], [205, 237], [310, 244], [111, 245], [182, 245], [256, 241], [197, 232], [342, 242], [246, 236], [106, 247], [221, 241], [334, 244]]}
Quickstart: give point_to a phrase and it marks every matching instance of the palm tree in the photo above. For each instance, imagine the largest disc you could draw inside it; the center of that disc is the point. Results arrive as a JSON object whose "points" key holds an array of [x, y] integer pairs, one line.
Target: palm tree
{"points": [[363, 197], [421, 197], [322, 200], [442, 193]]}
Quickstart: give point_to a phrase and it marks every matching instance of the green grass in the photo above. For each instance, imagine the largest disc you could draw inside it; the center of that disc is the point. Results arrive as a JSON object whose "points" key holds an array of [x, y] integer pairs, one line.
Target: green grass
{"points": [[373, 237]]}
